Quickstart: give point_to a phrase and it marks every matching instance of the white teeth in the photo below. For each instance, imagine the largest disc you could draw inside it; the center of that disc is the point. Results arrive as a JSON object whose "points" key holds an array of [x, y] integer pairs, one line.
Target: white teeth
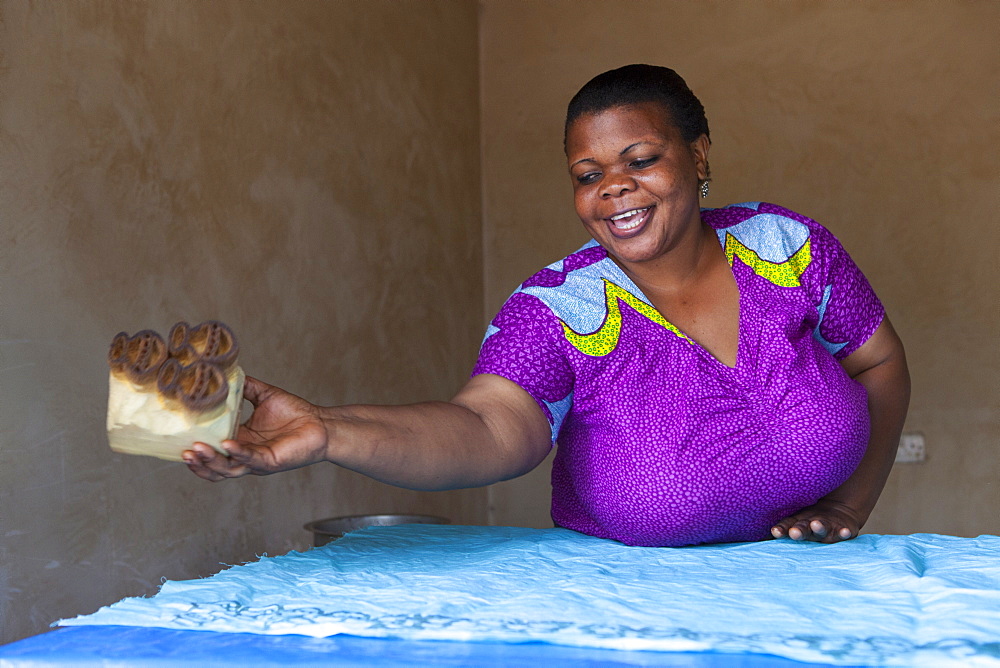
{"points": [[620, 223], [628, 213]]}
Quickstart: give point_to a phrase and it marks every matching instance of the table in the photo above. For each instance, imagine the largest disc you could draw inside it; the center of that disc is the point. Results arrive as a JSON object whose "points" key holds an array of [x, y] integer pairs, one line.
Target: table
{"points": [[112, 646], [453, 595]]}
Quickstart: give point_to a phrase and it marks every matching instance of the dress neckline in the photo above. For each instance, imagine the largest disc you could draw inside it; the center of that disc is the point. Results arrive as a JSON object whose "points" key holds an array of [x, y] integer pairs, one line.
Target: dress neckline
{"points": [[623, 279]]}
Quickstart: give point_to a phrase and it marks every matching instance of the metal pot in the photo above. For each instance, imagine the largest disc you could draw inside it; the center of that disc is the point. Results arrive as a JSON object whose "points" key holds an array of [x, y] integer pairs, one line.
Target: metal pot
{"points": [[333, 528]]}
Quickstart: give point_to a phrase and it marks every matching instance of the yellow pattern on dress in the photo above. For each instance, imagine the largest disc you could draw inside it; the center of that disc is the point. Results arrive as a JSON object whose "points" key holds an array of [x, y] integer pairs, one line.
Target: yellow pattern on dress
{"points": [[605, 339], [786, 274]]}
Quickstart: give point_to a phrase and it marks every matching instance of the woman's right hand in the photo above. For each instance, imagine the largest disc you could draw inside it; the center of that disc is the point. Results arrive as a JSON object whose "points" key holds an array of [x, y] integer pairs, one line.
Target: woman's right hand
{"points": [[491, 430], [284, 432]]}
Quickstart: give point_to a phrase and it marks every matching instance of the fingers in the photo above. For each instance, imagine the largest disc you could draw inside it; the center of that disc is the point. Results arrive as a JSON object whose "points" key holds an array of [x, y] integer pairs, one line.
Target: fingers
{"points": [[818, 529], [205, 462], [807, 527], [828, 531]]}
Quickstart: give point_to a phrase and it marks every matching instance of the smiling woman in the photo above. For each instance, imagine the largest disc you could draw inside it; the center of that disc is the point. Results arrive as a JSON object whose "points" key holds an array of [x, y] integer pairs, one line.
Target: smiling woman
{"points": [[632, 169], [710, 375]]}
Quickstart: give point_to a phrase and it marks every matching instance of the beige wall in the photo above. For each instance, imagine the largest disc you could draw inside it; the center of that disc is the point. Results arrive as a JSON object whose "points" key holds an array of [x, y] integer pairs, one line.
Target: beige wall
{"points": [[879, 119], [306, 172]]}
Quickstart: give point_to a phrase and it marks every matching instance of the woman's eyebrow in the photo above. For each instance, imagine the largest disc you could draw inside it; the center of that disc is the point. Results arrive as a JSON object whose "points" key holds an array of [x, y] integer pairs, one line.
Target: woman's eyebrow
{"points": [[622, 152], [638, 143]]}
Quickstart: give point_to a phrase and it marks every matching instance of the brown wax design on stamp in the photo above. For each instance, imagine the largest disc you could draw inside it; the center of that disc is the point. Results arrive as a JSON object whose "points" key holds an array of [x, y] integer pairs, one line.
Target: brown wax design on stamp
{"points": [[190, 366]]}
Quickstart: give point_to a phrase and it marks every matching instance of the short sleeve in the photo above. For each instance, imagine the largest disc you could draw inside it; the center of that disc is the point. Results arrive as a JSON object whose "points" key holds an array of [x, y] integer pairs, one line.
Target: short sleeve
{"points": [[849, 310], [522, 344]]}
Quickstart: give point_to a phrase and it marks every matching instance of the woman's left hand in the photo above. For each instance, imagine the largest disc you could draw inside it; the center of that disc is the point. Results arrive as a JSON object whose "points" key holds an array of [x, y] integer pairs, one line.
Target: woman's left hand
{"points": [[823, 522], [880, 366]]}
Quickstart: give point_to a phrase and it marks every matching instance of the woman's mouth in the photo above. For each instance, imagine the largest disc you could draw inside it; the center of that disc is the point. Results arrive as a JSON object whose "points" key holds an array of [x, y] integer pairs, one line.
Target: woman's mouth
{"points": [[630, 220]]}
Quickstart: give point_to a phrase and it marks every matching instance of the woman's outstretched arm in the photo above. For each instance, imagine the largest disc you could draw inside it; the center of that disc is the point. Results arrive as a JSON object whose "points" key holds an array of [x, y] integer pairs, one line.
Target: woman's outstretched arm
{"points": [[879, 365], [492, 430]]}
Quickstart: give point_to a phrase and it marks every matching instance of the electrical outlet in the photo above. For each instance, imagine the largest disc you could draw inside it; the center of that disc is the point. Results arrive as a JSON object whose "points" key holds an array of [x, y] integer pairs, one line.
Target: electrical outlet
{"points": [[912, 449]]}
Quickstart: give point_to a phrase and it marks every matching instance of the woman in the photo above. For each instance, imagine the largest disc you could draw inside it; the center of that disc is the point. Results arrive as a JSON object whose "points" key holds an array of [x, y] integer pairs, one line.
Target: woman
{"points": [[712, 376]]}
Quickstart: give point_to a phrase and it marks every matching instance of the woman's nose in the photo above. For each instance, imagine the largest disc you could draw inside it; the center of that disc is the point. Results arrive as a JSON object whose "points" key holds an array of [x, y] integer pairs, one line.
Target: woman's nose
{"points": [[617, 185]]}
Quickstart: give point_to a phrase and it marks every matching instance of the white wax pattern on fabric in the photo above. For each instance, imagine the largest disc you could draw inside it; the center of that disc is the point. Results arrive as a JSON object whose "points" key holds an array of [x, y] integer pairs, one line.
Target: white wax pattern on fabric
{"points": [[920, 600]]}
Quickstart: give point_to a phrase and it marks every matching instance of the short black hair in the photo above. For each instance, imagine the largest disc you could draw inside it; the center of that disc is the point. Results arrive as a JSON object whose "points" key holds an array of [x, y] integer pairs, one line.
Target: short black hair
{"points": [[637, 84]]}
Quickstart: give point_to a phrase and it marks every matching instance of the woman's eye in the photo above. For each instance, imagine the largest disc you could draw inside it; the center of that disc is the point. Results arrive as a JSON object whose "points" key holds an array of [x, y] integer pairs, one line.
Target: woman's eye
{"points": [[589, 177], [643, 162]]}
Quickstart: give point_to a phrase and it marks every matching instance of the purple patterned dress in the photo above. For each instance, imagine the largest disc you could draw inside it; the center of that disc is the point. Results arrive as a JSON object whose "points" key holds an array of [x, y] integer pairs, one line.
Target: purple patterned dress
{"points": [[659, 443]]}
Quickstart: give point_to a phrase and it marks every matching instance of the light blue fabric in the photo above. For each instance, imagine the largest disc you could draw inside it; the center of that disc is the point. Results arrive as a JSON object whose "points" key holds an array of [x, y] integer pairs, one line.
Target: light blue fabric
{"points": [[890, 600]]}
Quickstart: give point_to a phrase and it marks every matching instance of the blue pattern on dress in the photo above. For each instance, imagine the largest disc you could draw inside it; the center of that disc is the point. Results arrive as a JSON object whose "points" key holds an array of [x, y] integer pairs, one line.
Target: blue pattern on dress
{"points": [[580, 301], [772, 237], [832, 348], [558, 411]]}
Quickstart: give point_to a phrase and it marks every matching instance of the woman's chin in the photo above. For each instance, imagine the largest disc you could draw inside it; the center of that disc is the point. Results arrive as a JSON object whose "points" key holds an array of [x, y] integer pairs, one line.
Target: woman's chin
{"points": [[631, 253], [624, 243]]}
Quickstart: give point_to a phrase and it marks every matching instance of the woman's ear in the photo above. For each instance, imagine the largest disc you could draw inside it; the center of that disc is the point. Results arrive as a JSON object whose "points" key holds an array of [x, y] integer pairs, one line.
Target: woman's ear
{"points": [[699, 148]]}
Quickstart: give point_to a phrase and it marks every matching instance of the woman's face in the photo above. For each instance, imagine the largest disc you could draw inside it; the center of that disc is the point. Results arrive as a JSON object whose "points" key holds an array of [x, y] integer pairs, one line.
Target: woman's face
{"points": [[635, 180]]}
